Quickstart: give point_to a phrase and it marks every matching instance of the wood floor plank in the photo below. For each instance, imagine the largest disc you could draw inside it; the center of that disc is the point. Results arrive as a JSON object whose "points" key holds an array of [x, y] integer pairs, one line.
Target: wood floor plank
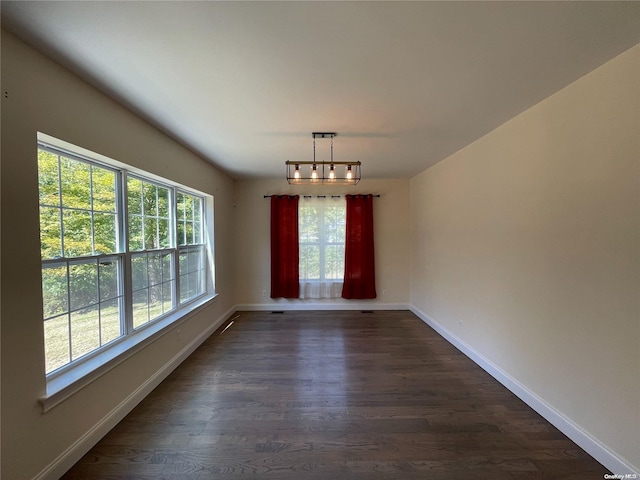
{"points": [[337, 396]]}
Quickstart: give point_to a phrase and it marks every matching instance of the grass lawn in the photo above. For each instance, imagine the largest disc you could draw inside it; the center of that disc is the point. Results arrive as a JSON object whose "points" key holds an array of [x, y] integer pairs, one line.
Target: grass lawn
{"points": [[72, 335]]}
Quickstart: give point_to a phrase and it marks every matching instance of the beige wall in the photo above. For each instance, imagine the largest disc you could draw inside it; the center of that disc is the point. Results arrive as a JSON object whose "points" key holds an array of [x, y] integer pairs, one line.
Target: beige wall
{"points": [[391, 232], [41, 96], [526, 247]]}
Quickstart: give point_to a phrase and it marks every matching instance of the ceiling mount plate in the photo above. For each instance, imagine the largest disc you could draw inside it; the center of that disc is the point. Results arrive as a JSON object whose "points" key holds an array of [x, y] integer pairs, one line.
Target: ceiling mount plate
{"points": [[323, 134]]}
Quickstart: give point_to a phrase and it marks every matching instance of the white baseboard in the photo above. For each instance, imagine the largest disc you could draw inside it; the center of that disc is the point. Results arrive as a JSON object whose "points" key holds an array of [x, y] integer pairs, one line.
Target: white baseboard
{"points": [[587, 442], [71, 455], [306, 305]]}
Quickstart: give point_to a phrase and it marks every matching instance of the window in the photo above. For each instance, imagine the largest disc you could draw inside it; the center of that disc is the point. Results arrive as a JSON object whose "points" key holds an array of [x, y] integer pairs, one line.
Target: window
{"points": [[120, 251], [321, 238], [190, 247], [149, 239]]}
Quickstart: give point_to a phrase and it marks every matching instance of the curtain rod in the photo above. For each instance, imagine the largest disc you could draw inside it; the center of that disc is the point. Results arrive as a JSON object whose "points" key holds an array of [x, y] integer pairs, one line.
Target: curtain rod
{"points": [[320, 196]]}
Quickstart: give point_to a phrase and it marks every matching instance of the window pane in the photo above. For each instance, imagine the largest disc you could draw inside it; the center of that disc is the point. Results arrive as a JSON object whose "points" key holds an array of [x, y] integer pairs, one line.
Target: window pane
{"points": [[180, 201], [83, 285], [189, 233], [155, 302], [188, 207], [155, 269], [85, 331], [334, 225], [139, 271], [184, 288], [48, 178], [309, 227], [50, 239], [197, 232], [167, 296], [183, 262], [192, 268], [150, 233], [134, 196], [341, 231], [135, 233], [201, 288], [197, 208], [76, 184], [181, 240], [110, 320], [56, 342], [310, 262], [165, 237], [163, 202], [109, 280], [77, 233], [193, 284], [140, 308], [149, 204], [167, 270], [104, 189], [54, 291], [104, 228], [149, 229], [334, 262], [193, 260]]}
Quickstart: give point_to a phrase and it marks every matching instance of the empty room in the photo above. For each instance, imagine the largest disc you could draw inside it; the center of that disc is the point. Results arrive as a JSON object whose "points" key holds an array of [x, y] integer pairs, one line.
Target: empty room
{"points": [[310, 240]]}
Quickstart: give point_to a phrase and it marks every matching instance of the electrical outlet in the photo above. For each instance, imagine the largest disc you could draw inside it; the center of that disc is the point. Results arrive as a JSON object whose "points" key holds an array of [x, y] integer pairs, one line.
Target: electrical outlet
{"points": [[384, 292], [264, 294], [461, 323]]}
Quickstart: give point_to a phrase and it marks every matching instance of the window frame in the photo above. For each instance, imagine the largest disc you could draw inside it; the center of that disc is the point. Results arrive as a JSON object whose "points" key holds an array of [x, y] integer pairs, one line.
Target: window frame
{"points": [[67, 379]]}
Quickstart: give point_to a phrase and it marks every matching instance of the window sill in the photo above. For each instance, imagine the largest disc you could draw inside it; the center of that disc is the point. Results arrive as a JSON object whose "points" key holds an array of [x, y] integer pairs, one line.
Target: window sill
{"points": [[67, 383]]}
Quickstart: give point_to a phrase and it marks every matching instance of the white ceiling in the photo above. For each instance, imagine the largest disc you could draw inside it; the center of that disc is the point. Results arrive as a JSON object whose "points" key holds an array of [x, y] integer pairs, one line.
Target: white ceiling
{"points": [[404, 84]]}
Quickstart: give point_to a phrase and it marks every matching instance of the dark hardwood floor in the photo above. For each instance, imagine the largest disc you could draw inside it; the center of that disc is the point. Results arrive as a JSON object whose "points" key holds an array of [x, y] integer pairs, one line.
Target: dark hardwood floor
{"points": [[332, 396]]}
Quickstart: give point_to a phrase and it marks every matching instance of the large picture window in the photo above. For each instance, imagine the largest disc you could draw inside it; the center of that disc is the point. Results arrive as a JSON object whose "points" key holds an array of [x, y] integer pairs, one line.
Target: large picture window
{"points": [[119, 252]]}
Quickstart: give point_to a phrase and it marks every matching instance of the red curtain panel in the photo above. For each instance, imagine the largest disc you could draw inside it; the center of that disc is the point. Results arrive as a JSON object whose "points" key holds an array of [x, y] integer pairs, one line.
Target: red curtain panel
{"points": [[285, 282], [359, 268]]}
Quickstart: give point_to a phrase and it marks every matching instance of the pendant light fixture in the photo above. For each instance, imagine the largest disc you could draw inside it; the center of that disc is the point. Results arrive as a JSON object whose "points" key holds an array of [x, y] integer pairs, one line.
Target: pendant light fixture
{"points": [[322, 172]]}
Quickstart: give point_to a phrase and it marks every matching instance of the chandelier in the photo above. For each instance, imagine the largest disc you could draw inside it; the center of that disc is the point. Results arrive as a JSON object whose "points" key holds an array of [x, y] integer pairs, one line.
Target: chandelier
{"points": [[322, 172]]}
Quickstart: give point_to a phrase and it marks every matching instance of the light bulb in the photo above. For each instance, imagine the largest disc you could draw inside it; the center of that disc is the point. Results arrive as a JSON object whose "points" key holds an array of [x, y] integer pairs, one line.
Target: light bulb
{"points": [[314, 172], [332, 173], [296, 174], [349, 173]]}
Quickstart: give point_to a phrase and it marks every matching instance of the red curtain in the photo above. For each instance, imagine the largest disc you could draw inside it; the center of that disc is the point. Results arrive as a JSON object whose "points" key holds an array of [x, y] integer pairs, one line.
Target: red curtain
{"points": [[285, 281], [359, 269]]}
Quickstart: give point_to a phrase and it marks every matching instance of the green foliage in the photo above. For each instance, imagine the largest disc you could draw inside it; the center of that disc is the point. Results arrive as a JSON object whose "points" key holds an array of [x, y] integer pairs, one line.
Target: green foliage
{"points": [[50, 234], [149, 221], [189, 219], [48, 178], [77, 207], [55, 291]]}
